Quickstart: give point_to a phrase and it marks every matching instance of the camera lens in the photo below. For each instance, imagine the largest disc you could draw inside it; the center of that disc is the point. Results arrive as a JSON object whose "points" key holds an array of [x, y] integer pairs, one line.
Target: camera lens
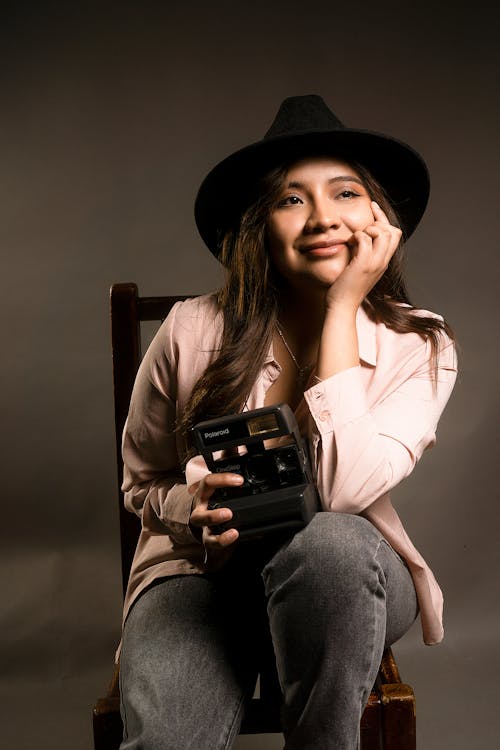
{"points": [[257, 469]]}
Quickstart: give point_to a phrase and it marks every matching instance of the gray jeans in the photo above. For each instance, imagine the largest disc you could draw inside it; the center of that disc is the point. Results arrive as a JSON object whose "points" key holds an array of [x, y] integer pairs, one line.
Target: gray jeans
{"points": [[331, 598]]}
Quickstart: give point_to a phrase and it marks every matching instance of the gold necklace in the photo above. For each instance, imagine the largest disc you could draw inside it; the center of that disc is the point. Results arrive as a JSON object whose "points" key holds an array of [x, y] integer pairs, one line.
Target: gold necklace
{"points": [[303, 373]]}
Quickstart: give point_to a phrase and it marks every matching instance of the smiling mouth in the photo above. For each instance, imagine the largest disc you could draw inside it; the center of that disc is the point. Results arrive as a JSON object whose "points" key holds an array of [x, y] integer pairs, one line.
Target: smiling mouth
{"points": [[326, 247]]}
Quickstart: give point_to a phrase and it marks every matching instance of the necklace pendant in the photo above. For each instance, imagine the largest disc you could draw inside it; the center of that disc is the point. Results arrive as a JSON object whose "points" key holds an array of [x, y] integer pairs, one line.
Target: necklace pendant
{"points": [[303, 373]]}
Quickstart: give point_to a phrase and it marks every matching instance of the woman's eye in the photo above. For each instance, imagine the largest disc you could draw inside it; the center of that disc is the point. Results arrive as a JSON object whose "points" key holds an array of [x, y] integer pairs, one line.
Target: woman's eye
{"points": [[347, 193], [290, 200]]}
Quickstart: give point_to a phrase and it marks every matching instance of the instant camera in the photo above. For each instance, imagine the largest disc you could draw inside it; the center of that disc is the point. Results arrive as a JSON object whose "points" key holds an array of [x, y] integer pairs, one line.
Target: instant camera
{"points": [[265, 447]]}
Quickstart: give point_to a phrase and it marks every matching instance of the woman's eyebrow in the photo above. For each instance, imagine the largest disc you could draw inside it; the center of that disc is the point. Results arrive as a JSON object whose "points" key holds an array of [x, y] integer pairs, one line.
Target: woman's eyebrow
{"points": [[339, 178]]}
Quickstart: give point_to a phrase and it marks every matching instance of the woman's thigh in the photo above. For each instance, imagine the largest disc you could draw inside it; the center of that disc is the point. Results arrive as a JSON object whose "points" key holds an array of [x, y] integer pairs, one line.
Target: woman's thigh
{"points": [[337, 565], [187, 664], [400, 595]]}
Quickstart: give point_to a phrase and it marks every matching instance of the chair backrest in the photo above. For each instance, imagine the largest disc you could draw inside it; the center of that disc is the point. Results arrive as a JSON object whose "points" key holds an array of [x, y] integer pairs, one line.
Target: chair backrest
{"points": [[128, 310]]}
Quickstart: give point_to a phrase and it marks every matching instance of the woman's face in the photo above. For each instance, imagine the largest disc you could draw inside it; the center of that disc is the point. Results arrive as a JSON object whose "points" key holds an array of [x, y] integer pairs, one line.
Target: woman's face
{"points": [[321, 204]]}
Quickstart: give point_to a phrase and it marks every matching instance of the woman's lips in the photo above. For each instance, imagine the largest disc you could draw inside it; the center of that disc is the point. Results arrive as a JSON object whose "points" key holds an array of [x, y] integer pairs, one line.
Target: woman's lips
{"points": [[324, 248]]}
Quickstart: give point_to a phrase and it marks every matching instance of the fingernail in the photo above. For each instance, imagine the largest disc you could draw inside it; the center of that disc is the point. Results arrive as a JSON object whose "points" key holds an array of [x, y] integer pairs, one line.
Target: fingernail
{"points": [[236, 479], [225, 514]]}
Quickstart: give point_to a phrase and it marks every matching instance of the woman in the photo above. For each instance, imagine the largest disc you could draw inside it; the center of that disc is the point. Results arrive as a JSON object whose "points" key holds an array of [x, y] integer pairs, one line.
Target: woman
{"points": [[314, 313]]}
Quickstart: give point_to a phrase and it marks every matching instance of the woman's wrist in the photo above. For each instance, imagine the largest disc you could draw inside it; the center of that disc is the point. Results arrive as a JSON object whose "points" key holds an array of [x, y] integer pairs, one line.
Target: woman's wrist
{"points": [[338, 348], [345, 308]]}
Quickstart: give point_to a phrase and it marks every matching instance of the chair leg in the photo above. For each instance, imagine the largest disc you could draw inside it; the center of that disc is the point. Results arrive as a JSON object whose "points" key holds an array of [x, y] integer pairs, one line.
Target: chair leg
{"points": [[371, 724], [108, 727], [399, 721]]}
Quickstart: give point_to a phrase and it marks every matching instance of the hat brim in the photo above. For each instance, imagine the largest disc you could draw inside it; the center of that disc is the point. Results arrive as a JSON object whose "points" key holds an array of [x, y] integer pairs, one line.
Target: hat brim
{"points": [[229, 187]]}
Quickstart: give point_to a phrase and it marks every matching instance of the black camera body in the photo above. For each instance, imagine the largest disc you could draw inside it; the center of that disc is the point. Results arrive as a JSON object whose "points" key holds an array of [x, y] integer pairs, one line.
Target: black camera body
{"points": [[278, 492]]}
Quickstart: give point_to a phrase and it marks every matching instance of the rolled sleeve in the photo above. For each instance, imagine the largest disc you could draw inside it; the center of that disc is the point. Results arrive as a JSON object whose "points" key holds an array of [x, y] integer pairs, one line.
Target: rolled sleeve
{"points": [[365, 442], [337, 400]]}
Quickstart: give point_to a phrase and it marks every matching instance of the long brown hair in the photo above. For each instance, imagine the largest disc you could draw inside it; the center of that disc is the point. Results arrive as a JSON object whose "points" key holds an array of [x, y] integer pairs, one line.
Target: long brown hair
{"points": [[249, 302]]}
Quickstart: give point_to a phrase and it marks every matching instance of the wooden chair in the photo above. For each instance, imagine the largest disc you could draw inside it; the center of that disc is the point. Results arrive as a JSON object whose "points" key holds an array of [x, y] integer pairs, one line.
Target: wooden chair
{"points": [[388, 722]]}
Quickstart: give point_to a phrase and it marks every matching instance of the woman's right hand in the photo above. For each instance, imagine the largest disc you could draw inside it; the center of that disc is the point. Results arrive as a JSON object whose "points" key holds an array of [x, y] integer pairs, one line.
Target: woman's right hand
{"points": [[218, 547]]}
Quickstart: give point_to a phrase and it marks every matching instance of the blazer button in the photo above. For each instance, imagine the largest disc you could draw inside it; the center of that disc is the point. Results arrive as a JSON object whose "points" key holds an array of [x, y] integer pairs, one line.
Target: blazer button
{"points": [[324, 415]]}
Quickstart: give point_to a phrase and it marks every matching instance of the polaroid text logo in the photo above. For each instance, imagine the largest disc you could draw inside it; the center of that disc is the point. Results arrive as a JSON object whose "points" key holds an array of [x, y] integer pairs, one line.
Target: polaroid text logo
{"points": [[216, 433]]}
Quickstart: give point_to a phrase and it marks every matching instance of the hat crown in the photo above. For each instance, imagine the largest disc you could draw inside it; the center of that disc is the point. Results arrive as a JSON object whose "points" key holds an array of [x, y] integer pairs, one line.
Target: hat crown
{"points": [[299, 114]]}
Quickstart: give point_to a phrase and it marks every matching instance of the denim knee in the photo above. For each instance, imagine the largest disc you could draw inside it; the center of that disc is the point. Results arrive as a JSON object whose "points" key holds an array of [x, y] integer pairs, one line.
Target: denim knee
{"points": [[336, 547]]}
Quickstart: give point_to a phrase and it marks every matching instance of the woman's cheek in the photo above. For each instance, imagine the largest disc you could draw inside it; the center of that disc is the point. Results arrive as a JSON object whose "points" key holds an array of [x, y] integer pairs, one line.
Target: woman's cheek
{"points": [[361, 219]]}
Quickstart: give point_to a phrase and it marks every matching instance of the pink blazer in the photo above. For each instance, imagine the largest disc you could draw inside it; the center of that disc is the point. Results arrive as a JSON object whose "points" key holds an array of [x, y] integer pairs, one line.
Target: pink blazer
{"points": [[368, 426]]}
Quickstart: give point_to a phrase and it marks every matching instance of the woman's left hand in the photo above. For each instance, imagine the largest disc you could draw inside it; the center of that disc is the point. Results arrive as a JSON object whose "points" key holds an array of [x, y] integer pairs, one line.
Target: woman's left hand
{"points": [[371, 251]]}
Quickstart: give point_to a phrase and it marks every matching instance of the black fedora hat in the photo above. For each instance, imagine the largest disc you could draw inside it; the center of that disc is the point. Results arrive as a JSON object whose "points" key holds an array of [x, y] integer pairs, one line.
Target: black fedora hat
{"points": [[304, 126]]}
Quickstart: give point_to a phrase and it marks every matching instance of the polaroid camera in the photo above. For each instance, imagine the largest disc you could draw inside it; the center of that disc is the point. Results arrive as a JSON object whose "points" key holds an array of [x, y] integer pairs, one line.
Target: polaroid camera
{"points": [[265, 447]]}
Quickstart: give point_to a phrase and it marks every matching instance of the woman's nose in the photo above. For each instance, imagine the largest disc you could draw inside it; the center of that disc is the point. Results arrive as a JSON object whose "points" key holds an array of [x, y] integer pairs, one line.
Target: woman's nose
{"points": [[323, 216]]}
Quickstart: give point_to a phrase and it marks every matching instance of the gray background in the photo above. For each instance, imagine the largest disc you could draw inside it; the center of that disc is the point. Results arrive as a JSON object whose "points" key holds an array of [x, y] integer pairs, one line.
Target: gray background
{"points": [[111, 114]]}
